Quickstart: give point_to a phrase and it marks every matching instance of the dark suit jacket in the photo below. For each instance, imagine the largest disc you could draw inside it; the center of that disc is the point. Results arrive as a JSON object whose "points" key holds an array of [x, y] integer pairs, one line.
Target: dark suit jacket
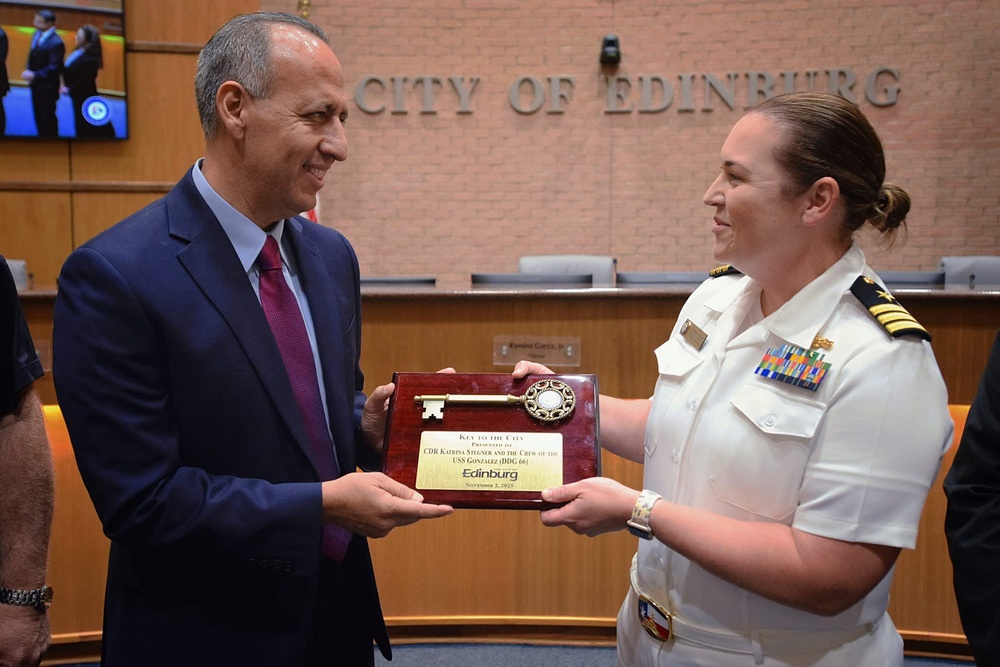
{"points": [[46, 61], [189, 440], [972, 522], [4, 80], [80, 77]]}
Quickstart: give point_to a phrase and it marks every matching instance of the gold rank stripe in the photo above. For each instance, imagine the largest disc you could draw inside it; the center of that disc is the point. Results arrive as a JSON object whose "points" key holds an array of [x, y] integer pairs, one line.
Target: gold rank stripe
{"points": [[887, 308], [898, 321], [893, 317], [724, 270], [910, 325]]}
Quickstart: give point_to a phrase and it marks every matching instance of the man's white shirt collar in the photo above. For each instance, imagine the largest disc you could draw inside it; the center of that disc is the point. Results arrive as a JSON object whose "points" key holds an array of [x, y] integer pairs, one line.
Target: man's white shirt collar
{"points": [[247, 238]]}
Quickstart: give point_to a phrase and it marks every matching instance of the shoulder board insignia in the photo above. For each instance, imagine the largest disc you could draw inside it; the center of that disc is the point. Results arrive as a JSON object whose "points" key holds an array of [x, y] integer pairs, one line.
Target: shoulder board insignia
{"points": [[724, 270], [883, 307]]}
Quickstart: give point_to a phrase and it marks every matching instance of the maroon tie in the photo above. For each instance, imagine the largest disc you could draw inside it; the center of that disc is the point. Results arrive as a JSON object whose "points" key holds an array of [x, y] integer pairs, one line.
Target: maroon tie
{"points": [[283, 314]]}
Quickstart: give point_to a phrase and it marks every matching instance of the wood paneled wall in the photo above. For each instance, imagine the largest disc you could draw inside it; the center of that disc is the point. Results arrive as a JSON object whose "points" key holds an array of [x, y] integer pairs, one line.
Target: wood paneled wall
{"points": [[56, 194], [501, 575]]}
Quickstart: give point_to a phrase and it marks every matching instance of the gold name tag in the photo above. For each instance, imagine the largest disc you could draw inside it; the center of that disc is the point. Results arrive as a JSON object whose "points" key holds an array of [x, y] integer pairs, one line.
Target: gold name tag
{"points": [[693, 335], [488, 461]]}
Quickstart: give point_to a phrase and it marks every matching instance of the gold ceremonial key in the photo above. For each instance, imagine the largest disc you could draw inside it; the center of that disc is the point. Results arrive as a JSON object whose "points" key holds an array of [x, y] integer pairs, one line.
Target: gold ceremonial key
{"points": [[545, 400]]}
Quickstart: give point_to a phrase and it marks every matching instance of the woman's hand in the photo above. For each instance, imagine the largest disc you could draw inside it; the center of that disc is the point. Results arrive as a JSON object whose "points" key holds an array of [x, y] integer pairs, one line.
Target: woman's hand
{"points": [[592, 506], [525, 367]]}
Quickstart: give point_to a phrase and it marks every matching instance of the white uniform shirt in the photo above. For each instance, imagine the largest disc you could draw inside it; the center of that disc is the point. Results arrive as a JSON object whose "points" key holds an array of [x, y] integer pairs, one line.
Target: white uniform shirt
{"points": [[852, 460]]}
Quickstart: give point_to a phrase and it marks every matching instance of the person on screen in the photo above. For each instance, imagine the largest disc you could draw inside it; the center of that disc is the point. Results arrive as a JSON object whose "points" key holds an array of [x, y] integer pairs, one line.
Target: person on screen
{"points": [[45, 64], [4, 81], [26, 489], [797, 423], [80, 79], [207, 361]]}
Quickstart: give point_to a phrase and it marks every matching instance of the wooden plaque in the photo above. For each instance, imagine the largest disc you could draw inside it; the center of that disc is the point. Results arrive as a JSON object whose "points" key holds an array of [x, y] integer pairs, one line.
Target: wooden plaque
{"points": [[487, 441]]}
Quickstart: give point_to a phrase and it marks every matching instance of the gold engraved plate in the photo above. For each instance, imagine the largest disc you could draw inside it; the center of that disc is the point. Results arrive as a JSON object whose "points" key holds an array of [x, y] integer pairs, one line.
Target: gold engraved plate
{"points": [[489, 461], [693, 334]]}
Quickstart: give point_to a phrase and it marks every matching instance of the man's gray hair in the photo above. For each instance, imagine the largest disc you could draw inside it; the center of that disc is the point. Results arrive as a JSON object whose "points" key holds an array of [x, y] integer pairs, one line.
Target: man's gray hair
{"points": [[240, 51]]}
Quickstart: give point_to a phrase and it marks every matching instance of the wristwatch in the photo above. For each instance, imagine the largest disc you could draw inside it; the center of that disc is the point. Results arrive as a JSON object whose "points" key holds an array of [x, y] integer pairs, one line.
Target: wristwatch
{"points": [[638, 525], [40, 598]]}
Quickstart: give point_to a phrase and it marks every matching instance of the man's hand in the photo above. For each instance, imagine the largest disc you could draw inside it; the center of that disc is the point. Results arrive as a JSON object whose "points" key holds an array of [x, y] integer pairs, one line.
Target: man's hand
{"points": [[374, 414], [24, 636], [376, 411], [372, 504]]}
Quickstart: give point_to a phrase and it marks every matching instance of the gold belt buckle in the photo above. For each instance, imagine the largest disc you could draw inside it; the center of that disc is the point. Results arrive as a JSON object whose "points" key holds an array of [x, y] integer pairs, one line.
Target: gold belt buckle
{"points": [[654, 618]]}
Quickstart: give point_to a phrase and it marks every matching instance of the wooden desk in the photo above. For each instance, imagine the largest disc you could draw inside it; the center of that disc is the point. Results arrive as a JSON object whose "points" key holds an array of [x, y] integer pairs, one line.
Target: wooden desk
{"points": [[421, 329], [492, 575]]}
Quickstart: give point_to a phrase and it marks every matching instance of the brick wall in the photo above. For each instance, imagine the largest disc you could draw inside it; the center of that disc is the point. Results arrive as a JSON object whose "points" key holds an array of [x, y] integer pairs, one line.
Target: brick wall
{"points": [[436, 190]]}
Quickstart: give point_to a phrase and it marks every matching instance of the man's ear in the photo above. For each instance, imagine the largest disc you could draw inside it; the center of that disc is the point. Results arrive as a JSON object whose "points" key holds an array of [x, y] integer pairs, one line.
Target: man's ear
{"points": [[822, 199], [231, 101]]}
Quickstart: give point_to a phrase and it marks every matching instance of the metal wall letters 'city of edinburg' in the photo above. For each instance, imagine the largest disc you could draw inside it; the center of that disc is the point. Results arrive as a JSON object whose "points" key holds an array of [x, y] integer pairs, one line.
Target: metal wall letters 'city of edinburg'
{"points": [[646, 93]]}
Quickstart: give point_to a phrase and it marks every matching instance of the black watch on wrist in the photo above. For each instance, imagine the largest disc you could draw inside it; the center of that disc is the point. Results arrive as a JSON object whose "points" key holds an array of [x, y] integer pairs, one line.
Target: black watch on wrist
{"points": [[40, 598]]}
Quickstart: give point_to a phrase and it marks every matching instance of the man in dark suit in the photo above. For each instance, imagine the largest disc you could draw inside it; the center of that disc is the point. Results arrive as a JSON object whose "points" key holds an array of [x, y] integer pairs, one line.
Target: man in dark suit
{"points": [[186, 421], [45, 63], [972, 522], [4, 80]]}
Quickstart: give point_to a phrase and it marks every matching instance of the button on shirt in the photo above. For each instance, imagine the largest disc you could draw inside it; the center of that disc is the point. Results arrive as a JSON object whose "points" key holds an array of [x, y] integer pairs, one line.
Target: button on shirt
{"points": [[852, 460]]}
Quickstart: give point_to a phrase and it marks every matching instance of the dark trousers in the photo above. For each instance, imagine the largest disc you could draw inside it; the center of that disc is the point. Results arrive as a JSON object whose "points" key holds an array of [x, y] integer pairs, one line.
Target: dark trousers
{"points": [[341, 634], [85, 129], [43, 104]]}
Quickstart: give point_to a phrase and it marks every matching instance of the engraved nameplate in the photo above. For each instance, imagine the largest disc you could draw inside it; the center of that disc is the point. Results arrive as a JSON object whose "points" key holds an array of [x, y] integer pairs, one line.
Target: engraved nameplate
{"points": [[545, 350]]}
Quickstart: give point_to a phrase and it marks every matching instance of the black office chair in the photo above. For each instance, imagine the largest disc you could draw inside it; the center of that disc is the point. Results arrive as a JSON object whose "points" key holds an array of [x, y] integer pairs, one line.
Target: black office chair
{"points": [[637, 278], [911, 278], [538, 279], [602, 268], [398, 281]]}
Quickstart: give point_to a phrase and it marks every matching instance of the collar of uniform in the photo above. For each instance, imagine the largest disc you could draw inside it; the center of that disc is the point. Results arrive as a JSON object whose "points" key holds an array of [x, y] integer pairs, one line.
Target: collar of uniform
{"points": [[724, 291], [802, 317]]}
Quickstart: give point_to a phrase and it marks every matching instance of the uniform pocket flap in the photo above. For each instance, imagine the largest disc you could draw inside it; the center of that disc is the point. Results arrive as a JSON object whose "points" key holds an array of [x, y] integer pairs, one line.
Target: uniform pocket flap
{"points": [[675, 359], [778, 412]]}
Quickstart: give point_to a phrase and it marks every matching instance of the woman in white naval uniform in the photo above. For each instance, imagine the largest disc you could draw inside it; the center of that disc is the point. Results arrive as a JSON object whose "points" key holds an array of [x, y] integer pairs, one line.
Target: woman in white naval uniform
{"points": [[796, 426]]}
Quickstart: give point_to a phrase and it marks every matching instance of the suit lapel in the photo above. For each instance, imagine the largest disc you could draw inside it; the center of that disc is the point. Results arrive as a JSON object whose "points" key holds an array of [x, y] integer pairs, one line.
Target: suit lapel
{"points": [[213, 265], [320, 289]]}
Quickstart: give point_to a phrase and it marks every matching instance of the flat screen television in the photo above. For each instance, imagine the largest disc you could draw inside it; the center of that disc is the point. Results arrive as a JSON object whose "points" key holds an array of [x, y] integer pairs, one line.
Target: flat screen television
{"points": [[68, 83]]}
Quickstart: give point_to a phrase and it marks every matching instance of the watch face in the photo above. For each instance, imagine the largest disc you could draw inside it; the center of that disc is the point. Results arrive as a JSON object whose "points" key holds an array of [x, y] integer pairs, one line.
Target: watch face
{"points": [[42, 598], [639, 531]]}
